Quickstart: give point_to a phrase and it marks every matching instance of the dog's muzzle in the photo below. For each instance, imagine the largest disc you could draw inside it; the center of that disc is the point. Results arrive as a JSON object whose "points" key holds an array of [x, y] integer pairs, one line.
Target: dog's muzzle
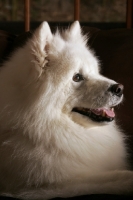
{"points": [[102, 114]]}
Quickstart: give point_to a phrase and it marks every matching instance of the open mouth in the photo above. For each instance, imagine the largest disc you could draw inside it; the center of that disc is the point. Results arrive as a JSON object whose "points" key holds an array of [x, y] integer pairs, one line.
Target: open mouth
{"points": [[98, 115]]}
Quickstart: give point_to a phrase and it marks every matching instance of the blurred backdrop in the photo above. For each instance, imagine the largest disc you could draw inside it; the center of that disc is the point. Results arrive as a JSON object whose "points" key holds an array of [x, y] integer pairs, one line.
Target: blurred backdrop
{"points": [[100, 13]]}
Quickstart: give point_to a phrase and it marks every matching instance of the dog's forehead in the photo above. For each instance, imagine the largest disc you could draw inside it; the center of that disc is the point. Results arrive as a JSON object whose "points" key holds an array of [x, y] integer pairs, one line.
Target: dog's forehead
{"points": [[82, 59], [73, 56]]}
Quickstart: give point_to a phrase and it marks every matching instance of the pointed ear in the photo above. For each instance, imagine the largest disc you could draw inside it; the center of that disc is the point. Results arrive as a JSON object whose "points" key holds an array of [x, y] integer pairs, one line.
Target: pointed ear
{"points": [[75, 29], [43, 35], [73, 33]]}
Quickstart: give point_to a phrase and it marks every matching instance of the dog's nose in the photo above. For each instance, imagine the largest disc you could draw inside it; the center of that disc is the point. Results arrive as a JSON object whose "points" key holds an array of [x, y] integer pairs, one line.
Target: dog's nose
{"points": [[117, 89]]}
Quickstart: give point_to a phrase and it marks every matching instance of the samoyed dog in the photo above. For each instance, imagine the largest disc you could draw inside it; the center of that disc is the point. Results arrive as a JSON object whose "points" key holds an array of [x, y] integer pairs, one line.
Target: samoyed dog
{"points": [[58, 137]]}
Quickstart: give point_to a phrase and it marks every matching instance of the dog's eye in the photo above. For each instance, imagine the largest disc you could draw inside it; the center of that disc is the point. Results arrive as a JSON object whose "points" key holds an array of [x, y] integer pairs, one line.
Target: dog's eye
{"points": [[78, 78]]}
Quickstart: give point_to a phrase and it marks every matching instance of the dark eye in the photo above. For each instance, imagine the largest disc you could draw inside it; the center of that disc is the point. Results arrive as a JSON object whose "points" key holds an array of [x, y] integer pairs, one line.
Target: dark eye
{"points": [[78, 78]]}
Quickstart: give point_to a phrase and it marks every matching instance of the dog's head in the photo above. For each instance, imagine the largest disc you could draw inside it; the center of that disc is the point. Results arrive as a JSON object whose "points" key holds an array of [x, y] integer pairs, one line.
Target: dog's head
{"points": [[77, 84], [63, 75]]}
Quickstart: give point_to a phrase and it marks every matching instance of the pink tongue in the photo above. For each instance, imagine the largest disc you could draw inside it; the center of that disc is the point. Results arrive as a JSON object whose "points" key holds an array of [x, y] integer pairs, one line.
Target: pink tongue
{"points": [[108, 113]]}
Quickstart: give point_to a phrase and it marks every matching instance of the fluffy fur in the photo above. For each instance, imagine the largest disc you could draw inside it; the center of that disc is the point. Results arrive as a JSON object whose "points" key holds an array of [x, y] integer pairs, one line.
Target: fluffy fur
{"points": [[46, 149]]}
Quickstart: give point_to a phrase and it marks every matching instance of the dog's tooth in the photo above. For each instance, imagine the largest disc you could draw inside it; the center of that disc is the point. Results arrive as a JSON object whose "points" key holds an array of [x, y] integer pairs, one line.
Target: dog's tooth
{"points": [[112, 109], [103, 113]]}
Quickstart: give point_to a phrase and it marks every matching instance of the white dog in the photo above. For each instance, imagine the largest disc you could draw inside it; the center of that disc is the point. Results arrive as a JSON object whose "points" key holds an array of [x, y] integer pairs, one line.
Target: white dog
{"points": [[57, 134]]}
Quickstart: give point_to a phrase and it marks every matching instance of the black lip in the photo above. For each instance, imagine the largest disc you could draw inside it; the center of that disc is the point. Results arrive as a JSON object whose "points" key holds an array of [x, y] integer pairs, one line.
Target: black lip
{"points": [[93, 116]]}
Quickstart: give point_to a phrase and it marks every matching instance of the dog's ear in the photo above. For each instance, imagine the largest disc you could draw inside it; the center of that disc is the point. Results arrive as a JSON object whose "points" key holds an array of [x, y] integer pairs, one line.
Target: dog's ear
{"points": [[74, 33], [39, 45], [43, 35], [75, 29]]}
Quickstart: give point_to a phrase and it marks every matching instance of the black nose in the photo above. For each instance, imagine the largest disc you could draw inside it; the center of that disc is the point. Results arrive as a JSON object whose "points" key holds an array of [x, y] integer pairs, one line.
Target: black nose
{"points": [[117, 89]]}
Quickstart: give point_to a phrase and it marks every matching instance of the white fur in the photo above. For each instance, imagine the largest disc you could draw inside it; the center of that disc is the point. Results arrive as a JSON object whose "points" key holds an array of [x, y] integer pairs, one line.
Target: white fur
{"points": [[46, 150]]}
